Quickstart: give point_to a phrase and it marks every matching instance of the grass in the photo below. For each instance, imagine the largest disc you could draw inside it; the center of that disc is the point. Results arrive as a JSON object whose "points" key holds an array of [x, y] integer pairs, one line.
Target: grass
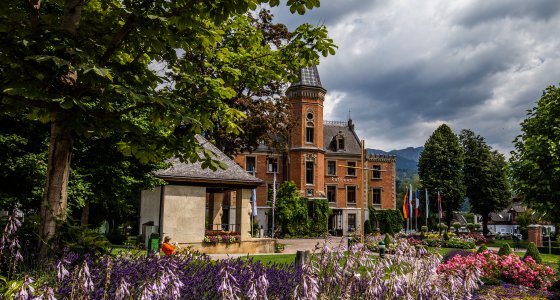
{"points": [[551, 260], [271, 259]]}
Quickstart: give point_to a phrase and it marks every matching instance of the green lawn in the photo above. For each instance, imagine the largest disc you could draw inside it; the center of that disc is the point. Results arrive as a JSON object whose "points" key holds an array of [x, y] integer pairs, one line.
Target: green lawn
{"points": [[271, 259]]}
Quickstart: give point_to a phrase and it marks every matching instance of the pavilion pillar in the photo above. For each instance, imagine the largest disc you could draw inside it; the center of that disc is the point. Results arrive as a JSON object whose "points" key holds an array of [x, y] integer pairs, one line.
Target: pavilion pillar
{"points": [[242, 213], [216, 212]]}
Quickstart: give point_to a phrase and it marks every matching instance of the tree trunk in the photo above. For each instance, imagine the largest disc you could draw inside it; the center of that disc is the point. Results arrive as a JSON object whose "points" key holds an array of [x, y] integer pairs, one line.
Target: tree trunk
{"points": [[53, 205], [85, 215], [485, 224]]}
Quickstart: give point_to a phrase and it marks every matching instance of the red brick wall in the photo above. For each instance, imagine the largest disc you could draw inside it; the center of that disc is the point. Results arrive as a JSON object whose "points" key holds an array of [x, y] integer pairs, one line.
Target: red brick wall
{"points": [[261, 173], [386, 183]]}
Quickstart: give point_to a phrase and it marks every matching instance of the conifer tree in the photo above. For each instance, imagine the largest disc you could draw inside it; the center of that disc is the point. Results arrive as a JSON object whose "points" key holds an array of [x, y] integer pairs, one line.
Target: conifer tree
{"points": [[440, 169]]}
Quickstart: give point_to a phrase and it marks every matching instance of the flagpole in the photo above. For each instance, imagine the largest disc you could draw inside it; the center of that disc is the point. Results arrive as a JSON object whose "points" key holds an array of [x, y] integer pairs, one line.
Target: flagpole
{"points": [[427, 207], [416, 208], [410, 205], [273, 202]]}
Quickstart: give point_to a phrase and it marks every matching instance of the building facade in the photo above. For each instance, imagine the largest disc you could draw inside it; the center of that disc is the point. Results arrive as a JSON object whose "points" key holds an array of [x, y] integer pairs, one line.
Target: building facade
{"points": [[325, 160]]}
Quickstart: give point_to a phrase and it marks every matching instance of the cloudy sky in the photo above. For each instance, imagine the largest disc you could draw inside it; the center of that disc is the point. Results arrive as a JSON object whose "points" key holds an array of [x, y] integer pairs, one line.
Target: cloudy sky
{"points": [[405, 67]]}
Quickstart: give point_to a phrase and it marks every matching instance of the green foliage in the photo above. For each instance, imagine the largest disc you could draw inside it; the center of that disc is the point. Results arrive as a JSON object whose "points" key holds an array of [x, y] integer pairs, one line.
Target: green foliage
{"points": [[524, 219], [487, 185], [440, 168], [387, 240], [150, 74], [482, 248], [533, 252], [389, 220], [505, 249], [470, 226], [535, 163], [319, 223], [469, 217], [82, 240], [367, 227], [291, 210], [424, 229], [456, 225]]}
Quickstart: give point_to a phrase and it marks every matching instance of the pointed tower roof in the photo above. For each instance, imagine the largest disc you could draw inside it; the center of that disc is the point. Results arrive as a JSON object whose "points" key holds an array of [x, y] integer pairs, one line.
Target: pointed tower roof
{"points": [[308, 77]]}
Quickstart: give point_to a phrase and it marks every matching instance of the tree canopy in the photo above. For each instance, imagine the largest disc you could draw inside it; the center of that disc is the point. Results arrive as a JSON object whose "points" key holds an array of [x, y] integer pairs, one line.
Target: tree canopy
{"points": [[152, 73], [484, 171], [535, 162], [440, 169]]}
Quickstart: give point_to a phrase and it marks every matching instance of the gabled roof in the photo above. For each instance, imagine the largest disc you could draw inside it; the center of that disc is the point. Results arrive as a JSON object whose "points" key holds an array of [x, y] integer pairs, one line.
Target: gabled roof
{"points": [[193, 172], [331, 129]]}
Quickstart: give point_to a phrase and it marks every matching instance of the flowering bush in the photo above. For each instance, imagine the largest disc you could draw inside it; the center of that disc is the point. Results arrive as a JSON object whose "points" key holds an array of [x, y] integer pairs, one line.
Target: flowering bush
{"points": [[475, 238], [222, 237], [510, 268]]}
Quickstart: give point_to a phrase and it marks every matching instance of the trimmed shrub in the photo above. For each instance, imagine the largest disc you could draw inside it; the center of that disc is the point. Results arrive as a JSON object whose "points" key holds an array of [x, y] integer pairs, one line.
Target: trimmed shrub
{"points": [[482, 248], [505, 249], [533, 252], [387, 240], [458, 252], [454, 243]]}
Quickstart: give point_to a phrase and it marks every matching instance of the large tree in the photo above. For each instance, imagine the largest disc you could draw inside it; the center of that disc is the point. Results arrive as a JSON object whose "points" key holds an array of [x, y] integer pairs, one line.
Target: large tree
{"points": [[484, 172], [90, 69], [440, 170], [535, 163]]}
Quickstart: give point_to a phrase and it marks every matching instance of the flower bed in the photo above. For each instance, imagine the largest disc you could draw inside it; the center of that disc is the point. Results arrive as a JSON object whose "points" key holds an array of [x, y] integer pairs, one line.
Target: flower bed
{"points": [[222, 237], [509, 268]]}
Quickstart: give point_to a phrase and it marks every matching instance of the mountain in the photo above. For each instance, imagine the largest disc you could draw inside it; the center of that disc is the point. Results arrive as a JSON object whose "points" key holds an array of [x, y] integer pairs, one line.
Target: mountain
{"points": [[407, 160]]}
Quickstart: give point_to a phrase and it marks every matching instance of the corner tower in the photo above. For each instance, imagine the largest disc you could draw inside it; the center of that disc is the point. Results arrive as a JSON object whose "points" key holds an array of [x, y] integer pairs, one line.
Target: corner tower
{"points": [[306, 149]]}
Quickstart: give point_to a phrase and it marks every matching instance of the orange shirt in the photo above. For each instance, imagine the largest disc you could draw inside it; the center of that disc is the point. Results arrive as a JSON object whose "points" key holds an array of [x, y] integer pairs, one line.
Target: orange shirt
{"points": [[168, 249]]}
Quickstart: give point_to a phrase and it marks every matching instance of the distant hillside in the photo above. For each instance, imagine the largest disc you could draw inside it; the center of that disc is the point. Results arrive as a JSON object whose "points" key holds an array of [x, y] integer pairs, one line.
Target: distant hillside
{"points": [[407, 160]]}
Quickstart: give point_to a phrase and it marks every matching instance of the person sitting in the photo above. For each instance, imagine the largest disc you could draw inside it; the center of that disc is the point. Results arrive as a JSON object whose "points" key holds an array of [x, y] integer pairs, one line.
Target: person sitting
{"points": [[167, 248]]}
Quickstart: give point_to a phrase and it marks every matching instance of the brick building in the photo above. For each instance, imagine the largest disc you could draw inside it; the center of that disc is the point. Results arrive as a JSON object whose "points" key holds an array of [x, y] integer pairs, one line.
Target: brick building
{"points": [[324, 159]]}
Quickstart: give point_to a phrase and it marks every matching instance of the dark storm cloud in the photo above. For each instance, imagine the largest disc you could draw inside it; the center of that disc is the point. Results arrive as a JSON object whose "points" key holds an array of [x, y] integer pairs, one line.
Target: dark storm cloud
{"points": [[478, 13], [403, 68]]}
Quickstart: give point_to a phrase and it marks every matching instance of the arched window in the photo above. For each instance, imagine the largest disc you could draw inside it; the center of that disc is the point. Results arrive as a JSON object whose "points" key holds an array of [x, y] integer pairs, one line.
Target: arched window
{"points": [[309, 127]]}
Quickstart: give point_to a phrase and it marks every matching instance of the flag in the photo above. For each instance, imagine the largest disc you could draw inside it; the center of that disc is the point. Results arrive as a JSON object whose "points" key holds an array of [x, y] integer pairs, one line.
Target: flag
{"points": [[439, 205], [254, 202], [404, 205], [417, 201]]}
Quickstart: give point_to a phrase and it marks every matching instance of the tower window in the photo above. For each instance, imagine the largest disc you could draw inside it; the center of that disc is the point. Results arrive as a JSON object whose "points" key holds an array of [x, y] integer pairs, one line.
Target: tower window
{"points": [[309, 170], [309, 133]]}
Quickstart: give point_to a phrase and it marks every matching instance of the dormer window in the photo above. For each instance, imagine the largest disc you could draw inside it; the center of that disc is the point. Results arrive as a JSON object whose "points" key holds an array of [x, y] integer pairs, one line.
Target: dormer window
{"points": [[338, 142]]}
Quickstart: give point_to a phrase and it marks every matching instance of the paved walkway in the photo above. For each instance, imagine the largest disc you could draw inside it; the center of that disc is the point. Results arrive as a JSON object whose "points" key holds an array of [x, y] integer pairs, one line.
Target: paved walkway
{"points": [[292, 246]]}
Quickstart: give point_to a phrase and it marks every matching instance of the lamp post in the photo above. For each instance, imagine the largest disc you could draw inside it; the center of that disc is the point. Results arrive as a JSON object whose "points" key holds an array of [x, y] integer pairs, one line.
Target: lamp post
{"points": [[381, 249]]}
